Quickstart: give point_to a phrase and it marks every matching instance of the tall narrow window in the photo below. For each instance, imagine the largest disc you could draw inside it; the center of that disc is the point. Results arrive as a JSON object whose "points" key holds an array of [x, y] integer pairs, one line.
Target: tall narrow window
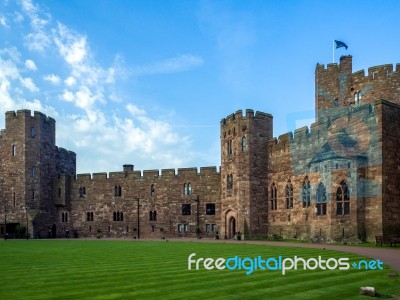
{"points": [[33, 171], [89, 216], [153, 215], [59, 192], [274, 197], [336, 103], [117, 191], [64, 217], [14, 150], [306, 193], [342, 199], [14, 198], [33, 133], [187, 189], [229, 147], [229, 182], [289, 195], [321, 200], [152, 190], [244, 144], [82, 192]]}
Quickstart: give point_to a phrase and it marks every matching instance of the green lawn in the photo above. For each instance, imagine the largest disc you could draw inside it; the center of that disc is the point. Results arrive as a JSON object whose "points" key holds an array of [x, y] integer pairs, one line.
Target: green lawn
{"points": [[127, 269]]}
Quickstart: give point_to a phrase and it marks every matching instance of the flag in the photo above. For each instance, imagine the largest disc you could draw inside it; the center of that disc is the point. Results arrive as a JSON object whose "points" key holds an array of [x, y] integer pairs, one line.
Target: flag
{"points": [[340, 44]]}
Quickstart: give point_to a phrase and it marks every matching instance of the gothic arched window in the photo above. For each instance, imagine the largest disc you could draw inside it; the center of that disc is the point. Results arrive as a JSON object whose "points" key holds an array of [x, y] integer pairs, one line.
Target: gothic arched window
{"points": [[343, 199]]}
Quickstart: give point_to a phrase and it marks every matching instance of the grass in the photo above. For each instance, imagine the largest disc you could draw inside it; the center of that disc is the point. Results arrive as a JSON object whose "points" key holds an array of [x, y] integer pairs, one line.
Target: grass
{"points": [[122, 269]]}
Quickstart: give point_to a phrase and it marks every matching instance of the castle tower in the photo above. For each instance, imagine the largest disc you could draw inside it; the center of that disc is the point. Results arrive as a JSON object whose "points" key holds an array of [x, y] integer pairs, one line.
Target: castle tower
{"points": [[244, 167], [333, 87], [29, 164]]}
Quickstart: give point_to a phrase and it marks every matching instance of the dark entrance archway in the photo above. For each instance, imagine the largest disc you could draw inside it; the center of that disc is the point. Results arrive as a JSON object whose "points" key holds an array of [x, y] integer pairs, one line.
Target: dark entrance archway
{"points": [[54, 231], [232, 228]]}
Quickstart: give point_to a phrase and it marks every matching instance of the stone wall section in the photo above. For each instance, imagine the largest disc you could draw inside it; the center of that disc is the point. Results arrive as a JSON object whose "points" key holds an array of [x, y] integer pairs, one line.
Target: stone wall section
{"points": [[161, 193]]}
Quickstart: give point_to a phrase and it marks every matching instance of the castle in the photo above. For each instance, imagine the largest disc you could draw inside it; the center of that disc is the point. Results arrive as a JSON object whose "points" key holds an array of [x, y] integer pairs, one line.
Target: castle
{"points": [[337, 181]]}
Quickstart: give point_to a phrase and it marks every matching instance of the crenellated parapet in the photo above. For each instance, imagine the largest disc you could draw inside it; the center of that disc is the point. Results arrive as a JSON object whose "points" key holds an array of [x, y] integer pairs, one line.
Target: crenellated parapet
{"points": [[150, 174], [249, 115], [337, 87], [26, 115]]}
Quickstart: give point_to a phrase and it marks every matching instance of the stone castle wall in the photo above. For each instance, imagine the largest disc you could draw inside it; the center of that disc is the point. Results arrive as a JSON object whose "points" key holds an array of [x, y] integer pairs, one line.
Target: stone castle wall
{"points": [[347, 147], [353, 141], [161, 193]]}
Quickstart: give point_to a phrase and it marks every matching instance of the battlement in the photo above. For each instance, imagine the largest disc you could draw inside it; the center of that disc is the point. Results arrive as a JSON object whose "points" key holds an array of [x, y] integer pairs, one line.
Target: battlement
{"points": [[345, 64], [249, 114], [150, 174], [338, 88], [382, 71], [26, 113]]}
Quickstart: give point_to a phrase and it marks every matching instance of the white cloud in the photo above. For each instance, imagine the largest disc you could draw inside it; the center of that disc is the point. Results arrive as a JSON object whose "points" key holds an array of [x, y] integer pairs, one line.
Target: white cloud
{"points": [[39, 38], [67, 96], [30, 65], [72, 47], [172, 65], [3, 21], [52, 78], [28, 83], [135, 111], [70, 81], [84, 98]]}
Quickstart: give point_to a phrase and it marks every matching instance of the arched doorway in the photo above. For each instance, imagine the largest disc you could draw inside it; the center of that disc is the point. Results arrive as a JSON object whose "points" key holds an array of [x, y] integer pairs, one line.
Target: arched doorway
{"points": [[54, 231], [231, 228]]}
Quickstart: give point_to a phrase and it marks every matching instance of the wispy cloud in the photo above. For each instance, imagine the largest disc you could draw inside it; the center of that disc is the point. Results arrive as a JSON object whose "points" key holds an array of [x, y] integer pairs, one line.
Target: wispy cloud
{"points": [[28, 83], [30, 65], [3, 21], [38, 39], [52, 78], [176, 64]]}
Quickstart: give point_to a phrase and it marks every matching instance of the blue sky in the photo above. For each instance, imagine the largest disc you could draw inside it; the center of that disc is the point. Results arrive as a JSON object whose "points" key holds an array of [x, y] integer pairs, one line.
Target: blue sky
{"points": [[147, 82]]}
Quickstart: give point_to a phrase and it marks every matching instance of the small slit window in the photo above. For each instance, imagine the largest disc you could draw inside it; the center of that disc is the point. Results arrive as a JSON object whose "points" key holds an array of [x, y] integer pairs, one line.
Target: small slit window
{"points": [[244, 144], [336, 103]]}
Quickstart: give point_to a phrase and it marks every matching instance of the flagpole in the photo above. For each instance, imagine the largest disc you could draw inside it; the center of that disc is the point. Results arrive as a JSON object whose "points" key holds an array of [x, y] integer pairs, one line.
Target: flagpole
{"points": [[333, 51]]}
